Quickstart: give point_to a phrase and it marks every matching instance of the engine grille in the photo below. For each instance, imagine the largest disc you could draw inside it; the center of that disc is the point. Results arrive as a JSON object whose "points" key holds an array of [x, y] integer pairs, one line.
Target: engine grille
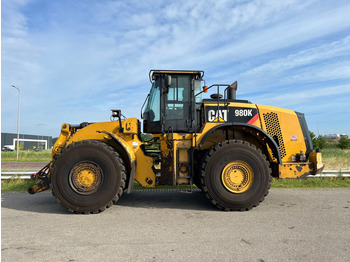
{"points": [[273, 128]]}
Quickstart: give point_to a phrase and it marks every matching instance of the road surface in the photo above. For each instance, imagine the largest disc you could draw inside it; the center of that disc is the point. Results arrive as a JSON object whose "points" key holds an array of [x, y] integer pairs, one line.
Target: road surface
{"points": [[22, 166], [290, 225]]}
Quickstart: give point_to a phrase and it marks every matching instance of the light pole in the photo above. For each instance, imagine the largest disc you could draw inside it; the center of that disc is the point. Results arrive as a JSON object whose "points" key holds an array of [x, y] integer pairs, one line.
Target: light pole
{"points": [[19, 100]]}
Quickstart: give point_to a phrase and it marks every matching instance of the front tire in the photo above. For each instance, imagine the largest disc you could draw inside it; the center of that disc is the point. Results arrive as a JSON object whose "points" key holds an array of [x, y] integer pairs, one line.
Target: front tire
{"points": [[88, 177], [235, 175]]}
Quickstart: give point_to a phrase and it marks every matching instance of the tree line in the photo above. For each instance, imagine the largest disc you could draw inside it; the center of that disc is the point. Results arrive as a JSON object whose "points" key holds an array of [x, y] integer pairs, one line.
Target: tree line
{"points": [[320, 142]]}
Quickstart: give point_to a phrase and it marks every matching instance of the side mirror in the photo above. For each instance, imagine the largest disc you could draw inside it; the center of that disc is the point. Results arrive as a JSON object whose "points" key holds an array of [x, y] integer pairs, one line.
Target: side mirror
{"points": [[167, 81]]}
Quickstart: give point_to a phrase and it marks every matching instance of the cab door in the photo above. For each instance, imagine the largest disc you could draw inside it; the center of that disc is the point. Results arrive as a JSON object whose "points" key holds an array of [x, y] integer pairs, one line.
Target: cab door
{"points": [[177, 104]]}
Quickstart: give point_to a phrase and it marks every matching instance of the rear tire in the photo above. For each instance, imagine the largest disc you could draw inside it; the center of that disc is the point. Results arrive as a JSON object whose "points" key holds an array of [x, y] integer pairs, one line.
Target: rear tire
{"points": [[235, 175], [88, 177]]}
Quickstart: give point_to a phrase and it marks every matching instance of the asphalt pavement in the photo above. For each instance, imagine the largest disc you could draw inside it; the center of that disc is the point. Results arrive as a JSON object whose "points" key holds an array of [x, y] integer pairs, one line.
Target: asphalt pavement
{"points": [[290, 225], [22, 166]]}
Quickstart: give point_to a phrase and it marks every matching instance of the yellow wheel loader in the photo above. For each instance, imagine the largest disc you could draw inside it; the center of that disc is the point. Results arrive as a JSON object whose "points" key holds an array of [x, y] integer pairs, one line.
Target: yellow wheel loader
{"points": [[229, 148]]}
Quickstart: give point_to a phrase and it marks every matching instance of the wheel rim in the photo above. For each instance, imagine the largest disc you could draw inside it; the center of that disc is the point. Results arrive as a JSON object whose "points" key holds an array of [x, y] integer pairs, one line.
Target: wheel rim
{"points": [[86, 177], [237, 177]]}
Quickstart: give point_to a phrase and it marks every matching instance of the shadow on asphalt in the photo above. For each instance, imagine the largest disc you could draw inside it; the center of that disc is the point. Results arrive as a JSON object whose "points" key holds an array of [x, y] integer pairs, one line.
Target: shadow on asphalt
{"points": [[45, 203], [39, 203], [166, 199]]}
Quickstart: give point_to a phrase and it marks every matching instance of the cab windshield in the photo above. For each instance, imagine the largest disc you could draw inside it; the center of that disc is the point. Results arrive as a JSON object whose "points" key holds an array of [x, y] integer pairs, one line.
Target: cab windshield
{"points": [[152, 110]]}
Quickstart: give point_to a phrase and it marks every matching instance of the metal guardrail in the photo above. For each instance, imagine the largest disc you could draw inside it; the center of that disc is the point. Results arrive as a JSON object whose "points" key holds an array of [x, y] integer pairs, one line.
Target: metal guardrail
{"points": [[26, 175], [333, 173], [16, 175]]}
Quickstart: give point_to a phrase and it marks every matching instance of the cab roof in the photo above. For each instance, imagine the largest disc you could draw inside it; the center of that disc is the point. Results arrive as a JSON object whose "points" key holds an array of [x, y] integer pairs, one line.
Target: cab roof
{"points": [[153, 72]]}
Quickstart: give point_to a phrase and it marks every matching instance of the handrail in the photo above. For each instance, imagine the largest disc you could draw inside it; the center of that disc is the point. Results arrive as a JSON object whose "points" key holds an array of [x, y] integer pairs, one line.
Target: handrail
{"points": [[211, 87]]}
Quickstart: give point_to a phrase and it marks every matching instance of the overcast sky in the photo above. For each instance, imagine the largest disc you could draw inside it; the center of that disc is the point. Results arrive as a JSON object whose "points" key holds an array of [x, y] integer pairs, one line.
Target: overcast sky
{"points": [[75, 60]]}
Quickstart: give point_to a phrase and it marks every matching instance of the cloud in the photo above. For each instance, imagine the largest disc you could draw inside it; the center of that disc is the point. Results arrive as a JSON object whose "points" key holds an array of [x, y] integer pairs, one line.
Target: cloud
{"points": [[303, 96], [333, 50]]}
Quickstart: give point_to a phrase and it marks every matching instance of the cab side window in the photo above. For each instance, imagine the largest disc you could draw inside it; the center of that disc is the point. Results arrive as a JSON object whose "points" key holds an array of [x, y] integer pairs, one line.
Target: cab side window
{"points": [[178, 98]]}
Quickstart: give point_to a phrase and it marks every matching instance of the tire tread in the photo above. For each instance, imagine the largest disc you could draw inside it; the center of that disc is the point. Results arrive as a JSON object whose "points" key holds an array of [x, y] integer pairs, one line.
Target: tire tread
{"points": [[118, 160], [215, 148]]}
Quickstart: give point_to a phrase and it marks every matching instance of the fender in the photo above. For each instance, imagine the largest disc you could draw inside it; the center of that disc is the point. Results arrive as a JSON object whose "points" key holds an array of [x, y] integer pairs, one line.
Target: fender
{"points": [[131, 155], [62, 139], [249, 128]]}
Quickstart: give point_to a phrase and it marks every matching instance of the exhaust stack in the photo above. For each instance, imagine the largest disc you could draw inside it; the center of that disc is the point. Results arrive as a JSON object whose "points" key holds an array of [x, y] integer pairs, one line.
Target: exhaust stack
{"points": [[231, 92]]}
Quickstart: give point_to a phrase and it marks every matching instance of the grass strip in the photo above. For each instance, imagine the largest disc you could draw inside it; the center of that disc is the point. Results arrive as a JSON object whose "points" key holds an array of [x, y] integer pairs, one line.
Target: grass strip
{"points": [[27, 156], [16, 185], [336, 158], [316, 182]]}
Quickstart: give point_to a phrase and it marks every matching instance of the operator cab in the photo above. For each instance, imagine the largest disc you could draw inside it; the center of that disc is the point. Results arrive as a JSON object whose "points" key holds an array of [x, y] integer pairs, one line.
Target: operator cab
{"points": [[171, 104]]}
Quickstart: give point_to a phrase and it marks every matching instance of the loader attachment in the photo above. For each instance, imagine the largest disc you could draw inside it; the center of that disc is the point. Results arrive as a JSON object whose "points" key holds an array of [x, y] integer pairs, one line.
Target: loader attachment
{"points": [[44, 180]]}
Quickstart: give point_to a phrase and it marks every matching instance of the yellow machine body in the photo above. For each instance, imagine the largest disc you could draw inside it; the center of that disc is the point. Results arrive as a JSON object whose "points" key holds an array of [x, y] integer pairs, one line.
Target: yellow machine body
{"points": [[123, 138], [173, 167], [229, 148]]}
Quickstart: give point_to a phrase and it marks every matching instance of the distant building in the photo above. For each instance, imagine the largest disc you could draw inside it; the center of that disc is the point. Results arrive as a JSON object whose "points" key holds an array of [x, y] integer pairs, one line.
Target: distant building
{"points": [[334, 137], [26, 141]]}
